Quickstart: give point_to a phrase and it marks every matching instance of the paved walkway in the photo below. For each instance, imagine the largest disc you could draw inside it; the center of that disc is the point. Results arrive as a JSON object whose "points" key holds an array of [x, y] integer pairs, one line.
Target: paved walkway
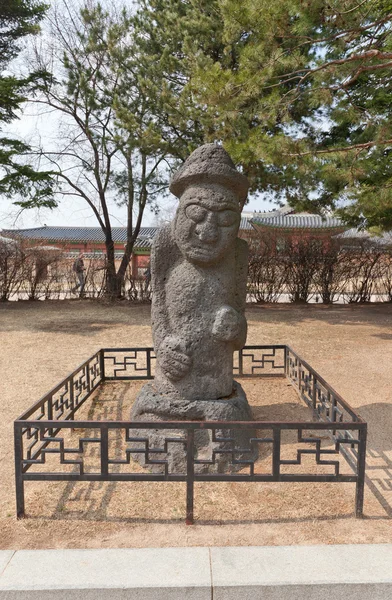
{"points": [[232, 573]]}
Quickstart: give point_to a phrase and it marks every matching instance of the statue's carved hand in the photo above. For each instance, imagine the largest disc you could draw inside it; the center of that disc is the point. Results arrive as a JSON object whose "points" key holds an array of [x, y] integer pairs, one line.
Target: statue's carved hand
{"points": [[173, 359], [229, 326]]}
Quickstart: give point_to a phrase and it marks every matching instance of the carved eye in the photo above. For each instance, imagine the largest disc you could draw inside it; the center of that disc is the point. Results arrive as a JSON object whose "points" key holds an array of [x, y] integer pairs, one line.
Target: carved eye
{"points": [[227, 218], [195, 213]]}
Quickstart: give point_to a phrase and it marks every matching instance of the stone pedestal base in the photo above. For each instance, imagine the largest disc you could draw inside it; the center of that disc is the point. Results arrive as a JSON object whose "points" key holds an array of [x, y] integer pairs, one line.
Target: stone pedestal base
{"points": [[150, 405]]}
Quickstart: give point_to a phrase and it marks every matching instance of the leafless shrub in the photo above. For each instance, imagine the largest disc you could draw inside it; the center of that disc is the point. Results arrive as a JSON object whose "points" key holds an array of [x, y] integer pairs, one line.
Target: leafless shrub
{"points": [[301, 268], [266, 272], [11, 268], [95, 273], [41, 273], [95, 276], [384, 283], [302, 260], [364, 270], [333, 272], [318, 267], [138, 288]]}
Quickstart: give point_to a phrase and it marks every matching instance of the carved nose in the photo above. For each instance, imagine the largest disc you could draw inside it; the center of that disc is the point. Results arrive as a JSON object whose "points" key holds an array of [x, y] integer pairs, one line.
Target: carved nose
{"points": [[207, 231]]}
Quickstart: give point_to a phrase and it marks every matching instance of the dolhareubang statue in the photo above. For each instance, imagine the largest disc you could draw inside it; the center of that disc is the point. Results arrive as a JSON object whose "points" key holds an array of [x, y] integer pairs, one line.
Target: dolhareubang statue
{"points": [[198, 279]]}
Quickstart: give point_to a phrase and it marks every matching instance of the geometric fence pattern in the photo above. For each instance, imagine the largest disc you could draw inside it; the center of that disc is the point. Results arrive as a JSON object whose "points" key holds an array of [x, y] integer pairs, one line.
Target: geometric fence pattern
{"points": [[45, 449]]}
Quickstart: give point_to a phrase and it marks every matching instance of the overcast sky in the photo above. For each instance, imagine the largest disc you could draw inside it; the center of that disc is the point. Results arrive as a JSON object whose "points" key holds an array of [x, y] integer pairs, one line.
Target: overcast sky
{"points": [[73, 211]]}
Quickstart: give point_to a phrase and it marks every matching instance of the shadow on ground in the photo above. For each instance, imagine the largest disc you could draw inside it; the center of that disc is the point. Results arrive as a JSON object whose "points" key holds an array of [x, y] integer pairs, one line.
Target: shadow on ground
{"points": [[91, 501], [78, 317], [383, 336], [379, 464], [94, 498], [89, 316], [376, 314]]}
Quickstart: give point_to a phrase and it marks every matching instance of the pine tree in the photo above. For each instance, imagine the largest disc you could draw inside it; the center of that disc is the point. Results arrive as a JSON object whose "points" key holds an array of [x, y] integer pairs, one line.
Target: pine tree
{"points": [[18, 19], [308, 105], [298, 92]]}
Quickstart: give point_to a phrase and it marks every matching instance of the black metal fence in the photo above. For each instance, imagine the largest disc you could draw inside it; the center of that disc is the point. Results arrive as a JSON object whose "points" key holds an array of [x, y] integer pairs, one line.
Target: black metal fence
{"points": [[50, 445]]}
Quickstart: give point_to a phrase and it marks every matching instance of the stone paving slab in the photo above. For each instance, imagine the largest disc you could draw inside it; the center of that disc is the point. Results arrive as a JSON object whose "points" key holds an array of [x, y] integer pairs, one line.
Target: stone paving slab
{"points": [[173, 573], [349, 572], [280, 565], [5, 557]]}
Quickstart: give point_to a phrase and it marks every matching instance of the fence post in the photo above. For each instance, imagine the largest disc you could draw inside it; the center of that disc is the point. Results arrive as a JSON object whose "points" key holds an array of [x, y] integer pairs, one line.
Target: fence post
{"points": [[300, 372], [102, 364], [71, 397], [148, 363], [240, 363], [276, 453], [49, 404], [286, 362], [88, 380], [104, 449], [190, 477], [333, 404], [314, 392], [19, 482], [360, 485]]}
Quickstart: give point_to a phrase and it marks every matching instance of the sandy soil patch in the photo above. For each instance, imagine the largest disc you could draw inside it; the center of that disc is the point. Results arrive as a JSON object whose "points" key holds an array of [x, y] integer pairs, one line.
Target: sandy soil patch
{"points": [[350, 346]]}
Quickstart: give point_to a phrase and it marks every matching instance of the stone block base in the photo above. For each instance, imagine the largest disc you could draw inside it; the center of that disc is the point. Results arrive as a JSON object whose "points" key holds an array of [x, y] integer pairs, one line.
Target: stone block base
{"points": [[150, 405]]}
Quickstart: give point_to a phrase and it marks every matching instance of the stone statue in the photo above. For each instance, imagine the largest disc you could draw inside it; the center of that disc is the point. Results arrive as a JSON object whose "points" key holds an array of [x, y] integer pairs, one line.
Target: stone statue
{"points": [[198, 279]]}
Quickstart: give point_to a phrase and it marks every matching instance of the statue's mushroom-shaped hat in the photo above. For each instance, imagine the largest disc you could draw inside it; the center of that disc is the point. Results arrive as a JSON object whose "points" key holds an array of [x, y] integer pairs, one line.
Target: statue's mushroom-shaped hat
{"points": [[210, 164]]}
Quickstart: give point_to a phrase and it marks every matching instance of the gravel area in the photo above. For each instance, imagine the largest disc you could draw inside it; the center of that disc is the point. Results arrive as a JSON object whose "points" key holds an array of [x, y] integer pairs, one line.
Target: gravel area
{"points": [[350, 346]]}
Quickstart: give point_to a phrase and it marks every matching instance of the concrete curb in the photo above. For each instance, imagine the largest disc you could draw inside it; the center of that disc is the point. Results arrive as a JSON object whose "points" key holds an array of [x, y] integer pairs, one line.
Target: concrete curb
{"points": [[351, 572], [249, 573]]}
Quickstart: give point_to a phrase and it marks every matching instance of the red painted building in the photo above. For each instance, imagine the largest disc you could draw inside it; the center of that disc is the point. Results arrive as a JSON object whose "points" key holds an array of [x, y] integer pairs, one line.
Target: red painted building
{"points": [[279, 228], [277, 224], [89, 240]]}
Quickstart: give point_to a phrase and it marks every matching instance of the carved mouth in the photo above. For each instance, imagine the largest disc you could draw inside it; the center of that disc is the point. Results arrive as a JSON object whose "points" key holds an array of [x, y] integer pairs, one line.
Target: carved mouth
{"points": [[204, 251]]}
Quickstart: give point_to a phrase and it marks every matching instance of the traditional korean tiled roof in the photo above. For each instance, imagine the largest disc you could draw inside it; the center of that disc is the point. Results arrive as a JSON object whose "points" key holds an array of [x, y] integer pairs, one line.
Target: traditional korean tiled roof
{"points": [[361, 235], [299, 221], [245, 224], [143, 243], [90, 234], [275, 212], [77, 234]]}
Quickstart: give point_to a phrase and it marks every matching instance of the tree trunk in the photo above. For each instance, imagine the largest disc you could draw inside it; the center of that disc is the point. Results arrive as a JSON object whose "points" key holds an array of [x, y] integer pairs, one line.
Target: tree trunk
{"points": [[114, 282]]}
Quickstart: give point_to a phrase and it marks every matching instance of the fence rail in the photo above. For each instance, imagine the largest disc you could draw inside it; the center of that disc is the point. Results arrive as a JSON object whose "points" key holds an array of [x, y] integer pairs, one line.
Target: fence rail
{"points": [[50, 445]]}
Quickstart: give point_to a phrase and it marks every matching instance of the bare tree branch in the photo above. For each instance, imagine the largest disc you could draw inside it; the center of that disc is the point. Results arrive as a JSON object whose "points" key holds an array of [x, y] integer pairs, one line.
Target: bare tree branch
{"points": [[344, 148]]}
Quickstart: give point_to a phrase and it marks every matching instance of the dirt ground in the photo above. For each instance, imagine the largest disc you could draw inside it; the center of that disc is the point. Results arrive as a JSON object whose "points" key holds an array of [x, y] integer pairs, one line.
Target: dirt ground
{"points": [[350, 346]]}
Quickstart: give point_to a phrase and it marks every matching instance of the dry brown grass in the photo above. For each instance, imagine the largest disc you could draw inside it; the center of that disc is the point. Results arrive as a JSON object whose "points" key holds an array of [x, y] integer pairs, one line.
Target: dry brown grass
{"points": [[349, 346]]}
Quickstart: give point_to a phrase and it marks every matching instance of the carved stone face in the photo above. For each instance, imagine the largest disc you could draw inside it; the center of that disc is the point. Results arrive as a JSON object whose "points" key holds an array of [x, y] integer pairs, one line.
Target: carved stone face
{"points": [[206, 223]]}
